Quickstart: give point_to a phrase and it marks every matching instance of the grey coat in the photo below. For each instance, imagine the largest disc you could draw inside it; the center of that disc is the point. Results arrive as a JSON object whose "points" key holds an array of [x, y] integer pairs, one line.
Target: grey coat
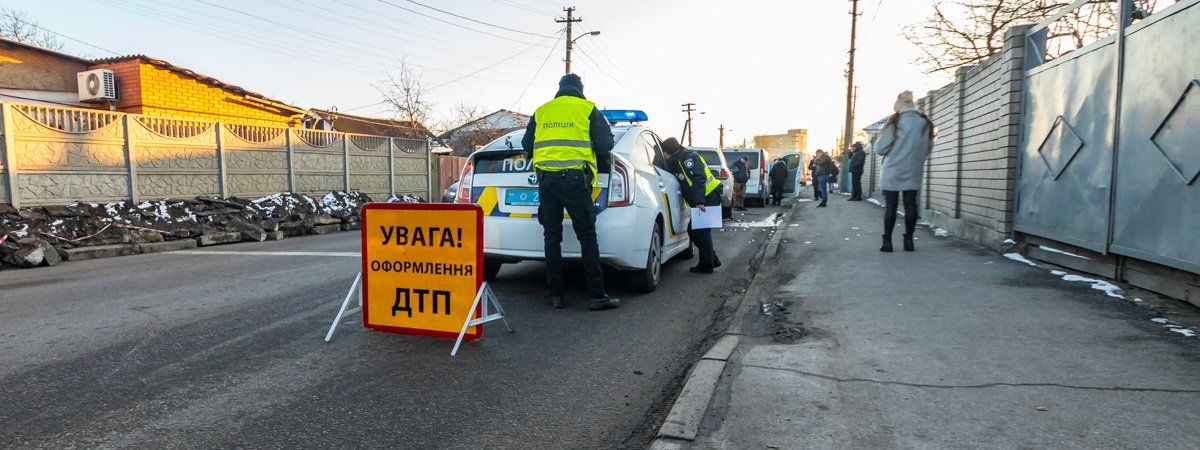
{"points": [[904, 146]]}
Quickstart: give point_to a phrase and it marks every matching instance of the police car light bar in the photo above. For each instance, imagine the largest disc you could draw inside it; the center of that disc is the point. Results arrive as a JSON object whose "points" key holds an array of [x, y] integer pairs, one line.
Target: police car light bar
{"points": [[624, 115]]}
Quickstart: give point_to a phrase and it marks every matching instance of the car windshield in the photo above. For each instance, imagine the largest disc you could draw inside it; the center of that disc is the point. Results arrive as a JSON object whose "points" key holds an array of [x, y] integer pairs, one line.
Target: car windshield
{"points": [[734, 156], [710, 157]]}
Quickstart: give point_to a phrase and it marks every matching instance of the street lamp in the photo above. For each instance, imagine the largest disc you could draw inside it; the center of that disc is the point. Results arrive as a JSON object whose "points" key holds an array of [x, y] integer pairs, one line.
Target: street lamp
{"points": [[571, 44], [590, 33]]}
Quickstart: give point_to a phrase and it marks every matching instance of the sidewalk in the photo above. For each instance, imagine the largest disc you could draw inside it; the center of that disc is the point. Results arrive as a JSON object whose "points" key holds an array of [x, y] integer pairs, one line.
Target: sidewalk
{"points": [[951, 346]]}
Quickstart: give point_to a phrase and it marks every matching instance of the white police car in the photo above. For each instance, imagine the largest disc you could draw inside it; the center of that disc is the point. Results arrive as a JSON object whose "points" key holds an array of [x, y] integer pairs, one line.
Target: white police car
{"points": [[642, 220]]}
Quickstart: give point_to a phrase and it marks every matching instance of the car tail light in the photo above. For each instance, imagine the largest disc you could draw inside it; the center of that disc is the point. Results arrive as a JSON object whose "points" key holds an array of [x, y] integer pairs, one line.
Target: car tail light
{"points": [[724, 174], [464, 184], [619, 191]]}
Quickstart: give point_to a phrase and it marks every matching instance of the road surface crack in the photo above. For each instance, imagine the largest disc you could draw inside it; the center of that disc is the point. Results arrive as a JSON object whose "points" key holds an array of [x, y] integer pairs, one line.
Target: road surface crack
{"points": [[975, 386]]}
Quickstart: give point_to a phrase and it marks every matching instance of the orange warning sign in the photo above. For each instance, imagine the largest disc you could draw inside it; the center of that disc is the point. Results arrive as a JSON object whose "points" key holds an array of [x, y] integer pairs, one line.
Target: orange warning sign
{"points": [[422, 266]]}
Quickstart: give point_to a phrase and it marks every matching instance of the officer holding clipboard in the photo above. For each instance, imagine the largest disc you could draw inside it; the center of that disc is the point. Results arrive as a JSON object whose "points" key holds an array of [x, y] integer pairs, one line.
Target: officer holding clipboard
{"points": [[701, 191]]}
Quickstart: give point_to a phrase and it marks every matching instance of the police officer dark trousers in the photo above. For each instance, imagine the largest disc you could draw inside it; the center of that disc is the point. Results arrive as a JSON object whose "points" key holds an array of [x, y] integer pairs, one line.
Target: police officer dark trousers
{"points": [[700, 188], [567, 137]]}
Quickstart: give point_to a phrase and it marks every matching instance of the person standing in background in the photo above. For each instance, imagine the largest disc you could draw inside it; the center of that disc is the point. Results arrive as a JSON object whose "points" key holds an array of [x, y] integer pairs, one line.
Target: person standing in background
{"points": [[778, 175], [741, 176], [904, 143], [812, 176], [823, 168], [858, 159]]}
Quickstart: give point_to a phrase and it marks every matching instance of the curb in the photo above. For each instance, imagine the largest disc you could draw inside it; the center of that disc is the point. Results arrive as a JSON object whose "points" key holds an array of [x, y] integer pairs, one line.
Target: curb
{"points": [[682, 424]]}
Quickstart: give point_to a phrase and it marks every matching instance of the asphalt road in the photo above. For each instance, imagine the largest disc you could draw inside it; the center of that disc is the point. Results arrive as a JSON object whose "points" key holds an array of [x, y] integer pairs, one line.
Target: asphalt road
{"points": [[226, 350]]}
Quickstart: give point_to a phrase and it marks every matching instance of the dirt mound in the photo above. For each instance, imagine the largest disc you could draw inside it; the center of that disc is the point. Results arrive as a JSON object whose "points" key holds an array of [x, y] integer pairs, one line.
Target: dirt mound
{"points": [[28, 234]]}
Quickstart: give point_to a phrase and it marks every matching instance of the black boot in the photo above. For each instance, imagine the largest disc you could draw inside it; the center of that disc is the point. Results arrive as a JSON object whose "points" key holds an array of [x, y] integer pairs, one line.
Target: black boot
{"points": [[604, 303], [908, 242], [887, 244]]}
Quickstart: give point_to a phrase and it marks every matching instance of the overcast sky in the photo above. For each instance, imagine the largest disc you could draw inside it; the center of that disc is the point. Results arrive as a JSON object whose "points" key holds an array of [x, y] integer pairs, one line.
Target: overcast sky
{"points": [[756, 66]]}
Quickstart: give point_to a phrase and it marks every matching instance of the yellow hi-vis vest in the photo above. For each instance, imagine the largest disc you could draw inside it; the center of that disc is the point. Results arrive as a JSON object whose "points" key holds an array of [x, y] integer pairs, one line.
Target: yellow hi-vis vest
{"points": [[563, 138], [710, 184]]}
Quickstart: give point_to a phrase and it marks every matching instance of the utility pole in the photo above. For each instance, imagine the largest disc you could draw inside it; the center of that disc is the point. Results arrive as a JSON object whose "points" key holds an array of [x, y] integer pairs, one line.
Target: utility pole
{"points": [[687, 126], [570, 42], [848, 132], [721, 140]]}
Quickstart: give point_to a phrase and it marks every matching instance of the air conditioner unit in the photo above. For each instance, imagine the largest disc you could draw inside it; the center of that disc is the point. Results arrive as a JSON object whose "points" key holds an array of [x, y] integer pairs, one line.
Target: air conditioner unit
{"points": [[98, 85]]}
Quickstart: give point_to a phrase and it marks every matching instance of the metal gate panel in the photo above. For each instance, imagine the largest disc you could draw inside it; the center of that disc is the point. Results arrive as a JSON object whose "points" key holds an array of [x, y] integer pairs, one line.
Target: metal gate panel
{"points": [[1066, 148], [1156, 215]]}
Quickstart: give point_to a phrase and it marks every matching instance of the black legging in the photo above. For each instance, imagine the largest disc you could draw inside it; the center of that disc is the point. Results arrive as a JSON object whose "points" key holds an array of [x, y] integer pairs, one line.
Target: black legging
{"points": [[889, 211]]}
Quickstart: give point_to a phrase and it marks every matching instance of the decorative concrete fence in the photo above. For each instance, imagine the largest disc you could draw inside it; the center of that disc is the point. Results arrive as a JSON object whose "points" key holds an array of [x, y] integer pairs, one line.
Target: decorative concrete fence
{"points": [[54, 155]]}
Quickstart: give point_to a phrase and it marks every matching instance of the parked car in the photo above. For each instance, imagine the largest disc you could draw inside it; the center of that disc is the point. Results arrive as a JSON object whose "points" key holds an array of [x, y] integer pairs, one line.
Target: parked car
{"points": [[756, 189], [448, 194], [715, 160], [795, 168], [641, 222]]}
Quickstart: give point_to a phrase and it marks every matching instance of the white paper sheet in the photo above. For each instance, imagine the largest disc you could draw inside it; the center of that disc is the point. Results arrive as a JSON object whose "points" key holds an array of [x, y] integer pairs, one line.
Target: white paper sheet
{"points": [[706, 219]]}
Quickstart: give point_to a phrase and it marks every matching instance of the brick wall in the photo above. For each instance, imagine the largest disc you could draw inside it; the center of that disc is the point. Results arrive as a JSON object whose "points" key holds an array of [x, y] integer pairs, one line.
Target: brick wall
{"points": [[149, 89], [971, 173]]}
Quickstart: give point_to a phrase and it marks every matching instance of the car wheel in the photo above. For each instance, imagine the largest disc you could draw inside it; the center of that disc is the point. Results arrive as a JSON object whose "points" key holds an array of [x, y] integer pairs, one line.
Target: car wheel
{"points": [[646, 280], [491, 268]]}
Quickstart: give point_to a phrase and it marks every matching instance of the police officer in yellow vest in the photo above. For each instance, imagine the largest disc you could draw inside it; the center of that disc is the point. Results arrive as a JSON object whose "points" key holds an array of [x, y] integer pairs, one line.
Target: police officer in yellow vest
{"points": [[700, 190], [569, 139]]}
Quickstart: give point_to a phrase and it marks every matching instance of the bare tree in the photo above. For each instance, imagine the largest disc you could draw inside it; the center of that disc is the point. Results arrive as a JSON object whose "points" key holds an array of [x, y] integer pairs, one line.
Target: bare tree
{"points": [[964, 32], [404, 92], [465, 112], [17, 26]]}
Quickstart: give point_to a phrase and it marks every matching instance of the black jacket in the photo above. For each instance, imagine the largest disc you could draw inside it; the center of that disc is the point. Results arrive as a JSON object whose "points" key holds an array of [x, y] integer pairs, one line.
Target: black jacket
{"points": [[857, 159], [823, 166], [601, 133], [741, 173], [689, 165], [778, 172]]}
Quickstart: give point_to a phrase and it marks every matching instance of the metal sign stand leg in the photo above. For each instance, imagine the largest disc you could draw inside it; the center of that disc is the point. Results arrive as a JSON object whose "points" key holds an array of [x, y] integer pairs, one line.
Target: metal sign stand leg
{"points": [[488, 298], [356, 287]]}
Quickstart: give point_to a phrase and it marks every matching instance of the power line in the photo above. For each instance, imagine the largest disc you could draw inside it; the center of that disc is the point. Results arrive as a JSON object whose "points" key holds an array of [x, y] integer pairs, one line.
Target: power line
{"points": [[516, 104], [450, 23], [478, 21], [13, 17], [874, 14], [531, 47], [523, 7]]}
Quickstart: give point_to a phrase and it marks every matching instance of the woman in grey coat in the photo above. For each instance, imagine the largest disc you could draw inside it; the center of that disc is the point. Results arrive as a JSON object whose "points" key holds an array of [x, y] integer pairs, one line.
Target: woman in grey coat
{"points": [[904, 143]]}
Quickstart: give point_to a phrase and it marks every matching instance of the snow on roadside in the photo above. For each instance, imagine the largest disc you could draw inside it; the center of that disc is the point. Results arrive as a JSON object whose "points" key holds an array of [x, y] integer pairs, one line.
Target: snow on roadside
{"points": [[1100, 285], [1019, 258], [768, 222], [941, 232], [1184, 331], [1055, 250]]}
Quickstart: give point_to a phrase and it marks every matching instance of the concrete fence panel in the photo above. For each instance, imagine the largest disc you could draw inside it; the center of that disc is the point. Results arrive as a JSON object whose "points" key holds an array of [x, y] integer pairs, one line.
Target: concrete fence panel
{"points": [[53, 155]]}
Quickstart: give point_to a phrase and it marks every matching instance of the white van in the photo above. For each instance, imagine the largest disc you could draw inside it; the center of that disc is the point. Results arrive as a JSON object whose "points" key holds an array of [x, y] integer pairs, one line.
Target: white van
{"points": [[756, 188]]}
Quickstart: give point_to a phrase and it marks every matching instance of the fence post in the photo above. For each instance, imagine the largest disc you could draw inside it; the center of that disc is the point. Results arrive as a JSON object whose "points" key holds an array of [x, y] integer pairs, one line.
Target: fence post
{"points": [[287, 139], [345, 162], [429, 169], [391, 167], [960, 85], [10, 155], [222, 173], [130, 160]]}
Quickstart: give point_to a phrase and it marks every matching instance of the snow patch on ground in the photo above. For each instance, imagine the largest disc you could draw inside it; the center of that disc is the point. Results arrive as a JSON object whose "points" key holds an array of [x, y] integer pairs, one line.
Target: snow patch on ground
{"points": [[1010, 242], [1019, 258], [768, 222], [1158, 320], [875, 201], [1100, 285], [1055, 250], [1184, 331], [941, 232], [1058, 272]]}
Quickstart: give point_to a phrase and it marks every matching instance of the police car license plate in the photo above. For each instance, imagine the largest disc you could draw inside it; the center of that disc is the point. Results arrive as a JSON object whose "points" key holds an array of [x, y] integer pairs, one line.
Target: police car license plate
{"points": [[521, 197]]}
